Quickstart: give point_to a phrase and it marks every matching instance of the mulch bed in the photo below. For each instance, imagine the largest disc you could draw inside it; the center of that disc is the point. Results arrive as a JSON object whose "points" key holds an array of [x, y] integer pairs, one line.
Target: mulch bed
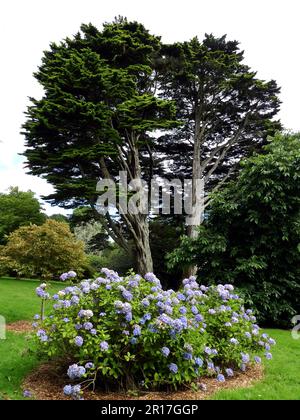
{"points": [[47, 382], [20, 327]]}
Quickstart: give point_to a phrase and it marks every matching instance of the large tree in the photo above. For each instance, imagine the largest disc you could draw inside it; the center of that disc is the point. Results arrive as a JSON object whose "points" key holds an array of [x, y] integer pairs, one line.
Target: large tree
{"points": [[18, 208], [95, 118], [226, 111], [109, 95]]}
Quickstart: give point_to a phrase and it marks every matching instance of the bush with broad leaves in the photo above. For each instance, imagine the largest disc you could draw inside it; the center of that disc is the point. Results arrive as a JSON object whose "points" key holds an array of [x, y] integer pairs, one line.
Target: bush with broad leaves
{"points": [[127, 332]]}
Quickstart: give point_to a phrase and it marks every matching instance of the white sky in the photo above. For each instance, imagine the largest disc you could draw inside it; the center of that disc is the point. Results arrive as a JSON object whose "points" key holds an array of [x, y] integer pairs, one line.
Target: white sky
{"points": [[268, 31]]}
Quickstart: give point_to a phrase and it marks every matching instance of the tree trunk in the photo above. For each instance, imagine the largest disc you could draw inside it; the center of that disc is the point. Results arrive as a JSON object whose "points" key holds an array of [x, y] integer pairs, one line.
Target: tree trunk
{"points": [[142, 247], [197, 176], [137, 222]]}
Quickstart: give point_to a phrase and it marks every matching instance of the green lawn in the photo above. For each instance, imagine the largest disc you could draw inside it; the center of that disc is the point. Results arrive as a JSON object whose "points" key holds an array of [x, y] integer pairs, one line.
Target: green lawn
{"points": [[282, 379], [18, 302], [15, 363]]}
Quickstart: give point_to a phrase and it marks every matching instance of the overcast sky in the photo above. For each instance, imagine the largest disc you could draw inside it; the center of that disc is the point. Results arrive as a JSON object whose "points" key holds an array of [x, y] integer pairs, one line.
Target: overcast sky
{"points": [[268, 31]]}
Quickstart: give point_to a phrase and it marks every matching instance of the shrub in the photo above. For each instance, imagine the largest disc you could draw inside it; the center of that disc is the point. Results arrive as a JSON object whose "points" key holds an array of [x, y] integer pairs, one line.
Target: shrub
{"points": [[130, 332], [42, 251], [251, 236], [117, 258]]}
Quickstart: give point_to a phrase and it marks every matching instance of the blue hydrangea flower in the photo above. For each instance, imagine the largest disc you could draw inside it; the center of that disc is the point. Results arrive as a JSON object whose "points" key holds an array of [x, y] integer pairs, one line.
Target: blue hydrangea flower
{"points": [[145, 302], [76, 390], [40, 333], [75, 300], [173, 368], [78, 341], [44, 338], [75, 371], [269, 356], [152, 328], [89, 365], [40, 292], [257, 359], [194, 310], [85, 313], [68, 389], [229, 372], [64, 277], [147, 317], [127, 295], [210, 365], [87, 326], [187, 356], [220, 378], [165, 351], [137, 330], [128, 316], [71, 274], [245, 357], [198, 362], [104, 346], [126, 307], [27, 394], [150, 277]]}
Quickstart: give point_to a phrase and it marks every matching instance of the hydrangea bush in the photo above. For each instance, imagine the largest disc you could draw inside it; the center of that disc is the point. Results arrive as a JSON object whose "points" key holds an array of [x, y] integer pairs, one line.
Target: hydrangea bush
{"points": [[130, 332]]}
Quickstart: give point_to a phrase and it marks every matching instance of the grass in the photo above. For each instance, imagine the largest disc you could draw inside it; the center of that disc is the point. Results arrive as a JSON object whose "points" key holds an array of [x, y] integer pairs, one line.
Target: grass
{"points": [[15, 363], [18, 302], [282, 378]]}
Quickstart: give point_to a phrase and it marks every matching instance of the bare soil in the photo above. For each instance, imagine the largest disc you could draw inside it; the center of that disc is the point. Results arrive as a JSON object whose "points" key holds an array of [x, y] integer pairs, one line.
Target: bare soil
{"points": [[47, 382]]}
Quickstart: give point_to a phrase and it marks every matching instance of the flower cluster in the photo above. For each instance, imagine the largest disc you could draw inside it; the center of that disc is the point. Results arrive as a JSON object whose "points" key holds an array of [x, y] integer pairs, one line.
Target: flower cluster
{"points": [[68, 276], [41, 291], [115, 328]]}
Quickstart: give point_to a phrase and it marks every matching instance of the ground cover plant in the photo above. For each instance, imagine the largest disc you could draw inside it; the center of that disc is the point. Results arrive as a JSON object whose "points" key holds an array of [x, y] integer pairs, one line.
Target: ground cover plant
{"points": [[130, 332]]}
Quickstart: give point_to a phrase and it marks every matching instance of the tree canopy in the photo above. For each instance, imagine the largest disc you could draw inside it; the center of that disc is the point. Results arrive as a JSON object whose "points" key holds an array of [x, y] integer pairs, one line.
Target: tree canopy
{"points": [[18, 208], [119, 99], [94, 117]]}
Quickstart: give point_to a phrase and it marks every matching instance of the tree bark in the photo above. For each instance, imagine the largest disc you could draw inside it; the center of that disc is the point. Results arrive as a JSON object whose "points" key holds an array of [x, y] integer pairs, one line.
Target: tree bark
{"points": [[197, 175], [137, 224], [143, 250]]}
